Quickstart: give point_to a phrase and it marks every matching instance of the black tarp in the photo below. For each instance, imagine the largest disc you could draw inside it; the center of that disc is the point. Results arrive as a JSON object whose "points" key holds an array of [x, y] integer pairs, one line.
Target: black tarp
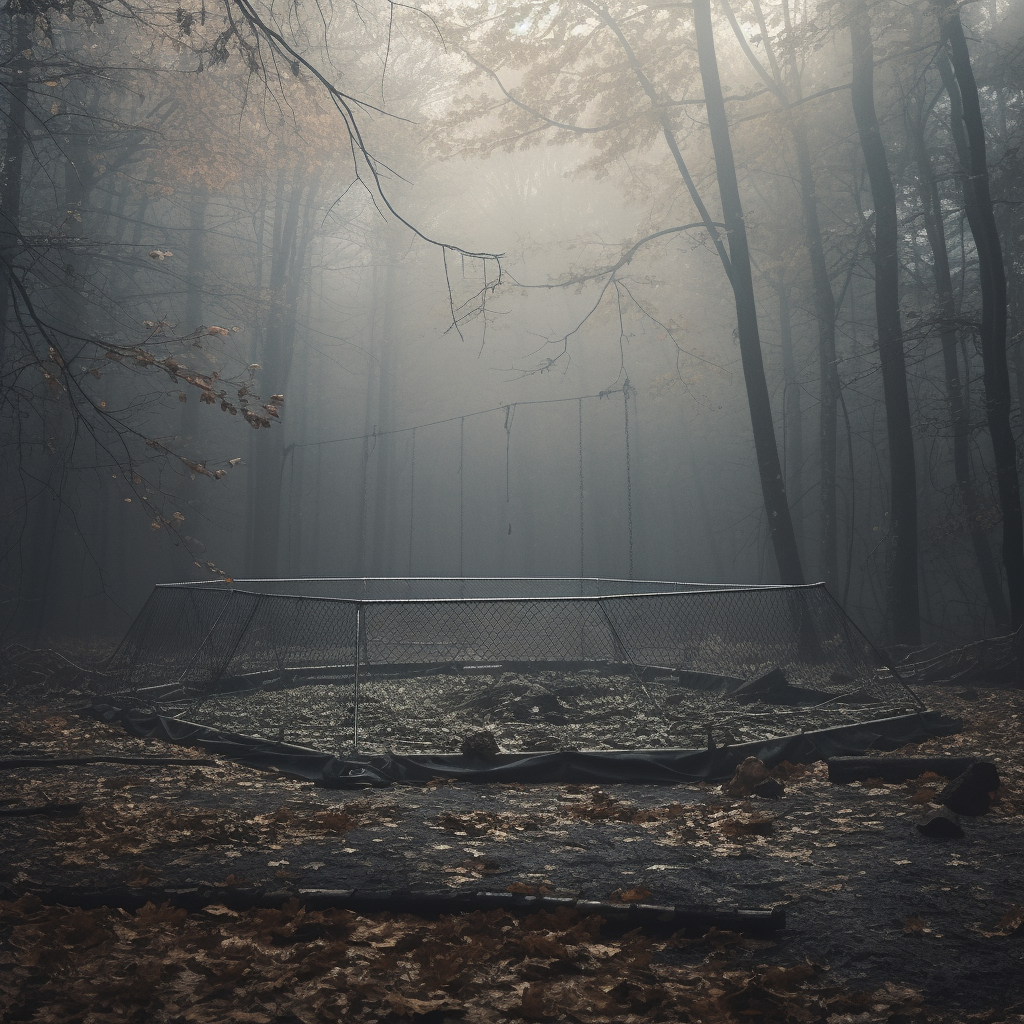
{"points": [[637, 766]]}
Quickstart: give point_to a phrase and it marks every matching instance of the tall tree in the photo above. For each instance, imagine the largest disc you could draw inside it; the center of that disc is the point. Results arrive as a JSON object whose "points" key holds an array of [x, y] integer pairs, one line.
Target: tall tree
{"points": [[786, 86], [12, 168], [969, 133], [773, 484], [902, 592], [291, 236], [931, 208], [728, 244]]}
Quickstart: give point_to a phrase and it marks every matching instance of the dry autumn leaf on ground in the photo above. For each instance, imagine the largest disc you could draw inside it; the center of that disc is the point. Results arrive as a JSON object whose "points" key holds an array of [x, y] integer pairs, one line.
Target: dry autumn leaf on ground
{"points": [[270, 965], [828, 852]]}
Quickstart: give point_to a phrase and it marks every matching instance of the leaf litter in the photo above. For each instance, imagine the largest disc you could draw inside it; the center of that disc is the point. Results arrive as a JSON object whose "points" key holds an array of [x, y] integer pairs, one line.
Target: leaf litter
{"points": [[60, 964], [314, 966]]}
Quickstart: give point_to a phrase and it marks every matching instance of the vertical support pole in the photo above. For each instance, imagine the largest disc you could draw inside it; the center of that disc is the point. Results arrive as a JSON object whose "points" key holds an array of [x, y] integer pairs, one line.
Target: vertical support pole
{"points": [[462, 506], [355, 685], [580, 411], [629, 480]]}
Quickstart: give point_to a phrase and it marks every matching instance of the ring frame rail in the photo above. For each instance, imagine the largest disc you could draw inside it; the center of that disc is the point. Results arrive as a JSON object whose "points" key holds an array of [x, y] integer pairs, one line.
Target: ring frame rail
{"points": [[668, 665]]}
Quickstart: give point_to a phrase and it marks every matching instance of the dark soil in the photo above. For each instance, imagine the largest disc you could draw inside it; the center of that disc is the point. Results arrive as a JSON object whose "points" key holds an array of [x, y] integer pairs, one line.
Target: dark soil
{"points": [[871, 902]]}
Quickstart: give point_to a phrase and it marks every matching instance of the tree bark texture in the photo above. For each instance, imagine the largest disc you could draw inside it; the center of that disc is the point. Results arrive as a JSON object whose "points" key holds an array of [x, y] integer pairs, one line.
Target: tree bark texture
{"points": [[902, 596], [773, 486], [981, 217]]}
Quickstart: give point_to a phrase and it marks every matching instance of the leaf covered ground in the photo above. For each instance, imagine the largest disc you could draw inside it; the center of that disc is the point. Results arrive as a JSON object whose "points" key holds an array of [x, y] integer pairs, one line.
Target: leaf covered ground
{"points": [[883, 924]]}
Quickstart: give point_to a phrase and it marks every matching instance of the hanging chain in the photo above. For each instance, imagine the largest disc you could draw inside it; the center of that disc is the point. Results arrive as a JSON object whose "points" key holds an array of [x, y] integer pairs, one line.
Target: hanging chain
{"points": [[629, 482], [581, 490]]}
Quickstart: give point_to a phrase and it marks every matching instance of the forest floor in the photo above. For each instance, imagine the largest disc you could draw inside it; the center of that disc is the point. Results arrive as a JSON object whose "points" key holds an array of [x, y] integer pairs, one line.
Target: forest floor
{"points": [[883, 924]]}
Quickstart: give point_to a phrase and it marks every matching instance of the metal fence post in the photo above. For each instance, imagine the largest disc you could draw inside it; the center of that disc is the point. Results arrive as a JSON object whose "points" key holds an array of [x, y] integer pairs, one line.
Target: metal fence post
{"points": [[355, 714]]}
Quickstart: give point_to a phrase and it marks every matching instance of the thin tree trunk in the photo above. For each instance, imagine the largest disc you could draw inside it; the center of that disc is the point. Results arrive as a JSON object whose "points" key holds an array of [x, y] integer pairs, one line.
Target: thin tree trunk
{"points": [[981, 217], [275, 362], [773, 486], [12, 168], [932, 208], [792, 410], [824, 299], [194, 275], [902, 597], [383, 504], [260, 231], [825, 317]]}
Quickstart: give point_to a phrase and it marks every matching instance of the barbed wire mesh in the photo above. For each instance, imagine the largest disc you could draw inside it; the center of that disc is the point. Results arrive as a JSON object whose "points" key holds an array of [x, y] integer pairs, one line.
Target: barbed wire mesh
{"points": [[418, 664]]}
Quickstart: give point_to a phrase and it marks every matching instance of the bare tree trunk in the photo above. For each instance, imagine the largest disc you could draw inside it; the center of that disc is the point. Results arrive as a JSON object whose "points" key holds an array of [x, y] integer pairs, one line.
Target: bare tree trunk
{"points": [[825, 317], [770, 470], [276, 362], [369, 428], [824, 299], [12, 168], [902, 584], [981, 217], [383, 504], [194, 274], [773, 486], [792, 411], [933, 223]]}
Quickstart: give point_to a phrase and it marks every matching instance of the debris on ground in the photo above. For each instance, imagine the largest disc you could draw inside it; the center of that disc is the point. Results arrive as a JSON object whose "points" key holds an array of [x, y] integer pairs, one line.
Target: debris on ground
{"points": [[482, 745], [261, 966], [825, 853], [971, 792], [940, 823]]}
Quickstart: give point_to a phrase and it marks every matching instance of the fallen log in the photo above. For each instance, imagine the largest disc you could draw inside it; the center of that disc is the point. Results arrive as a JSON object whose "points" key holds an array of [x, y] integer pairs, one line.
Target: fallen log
{"points": [[52, 810], [690, 919], [842, 770], [8, 763], [693, 920], [996, 658]]}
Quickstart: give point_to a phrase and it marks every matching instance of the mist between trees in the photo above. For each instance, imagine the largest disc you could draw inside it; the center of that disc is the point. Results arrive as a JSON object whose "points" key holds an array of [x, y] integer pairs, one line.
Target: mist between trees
{"points": [[711, 291]]}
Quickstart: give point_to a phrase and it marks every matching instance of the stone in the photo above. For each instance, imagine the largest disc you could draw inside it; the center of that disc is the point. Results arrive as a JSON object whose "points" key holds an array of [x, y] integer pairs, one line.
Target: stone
{"points": [[969, 793], [940, 824], [748, 776], [481, 745]]}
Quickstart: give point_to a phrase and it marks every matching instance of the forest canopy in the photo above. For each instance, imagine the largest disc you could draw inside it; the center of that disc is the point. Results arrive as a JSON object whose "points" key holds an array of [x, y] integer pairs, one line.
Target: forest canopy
{"points": [[724, 291]]}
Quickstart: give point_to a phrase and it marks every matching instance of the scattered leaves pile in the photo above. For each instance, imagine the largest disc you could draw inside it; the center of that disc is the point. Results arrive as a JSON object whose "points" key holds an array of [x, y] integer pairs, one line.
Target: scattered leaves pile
{"points": [[538, 712], [475, 824], [163, 964], [121, 831], [602, 807]]}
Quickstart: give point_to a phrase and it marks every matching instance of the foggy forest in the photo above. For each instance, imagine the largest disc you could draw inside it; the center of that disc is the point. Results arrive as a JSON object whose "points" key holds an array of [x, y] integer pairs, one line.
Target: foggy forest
{"points": [[626, 290], [510, 511]]}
